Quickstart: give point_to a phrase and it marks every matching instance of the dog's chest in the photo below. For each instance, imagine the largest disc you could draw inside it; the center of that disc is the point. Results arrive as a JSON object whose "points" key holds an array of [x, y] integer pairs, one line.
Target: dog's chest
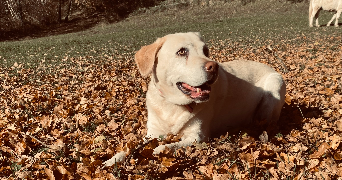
{"points": [[169, 117]]}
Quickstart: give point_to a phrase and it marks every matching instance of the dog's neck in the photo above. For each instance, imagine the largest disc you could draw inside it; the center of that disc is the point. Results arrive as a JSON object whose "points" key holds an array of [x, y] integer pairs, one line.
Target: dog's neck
{"points": [[189, 108]]}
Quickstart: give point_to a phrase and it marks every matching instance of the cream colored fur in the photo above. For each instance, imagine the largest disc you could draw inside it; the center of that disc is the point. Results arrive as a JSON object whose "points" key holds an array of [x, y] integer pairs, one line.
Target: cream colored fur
{"points": [[328, 5], [243, 91]]}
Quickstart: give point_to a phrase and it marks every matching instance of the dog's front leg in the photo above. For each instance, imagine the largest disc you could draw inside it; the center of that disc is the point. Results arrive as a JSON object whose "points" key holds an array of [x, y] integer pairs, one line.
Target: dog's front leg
{"points": [[192, 132], [176, 145]]}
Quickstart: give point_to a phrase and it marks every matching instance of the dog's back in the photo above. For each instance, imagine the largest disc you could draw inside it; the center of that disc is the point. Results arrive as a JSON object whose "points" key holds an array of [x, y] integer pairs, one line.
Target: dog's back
{"points": [[246, 91]]}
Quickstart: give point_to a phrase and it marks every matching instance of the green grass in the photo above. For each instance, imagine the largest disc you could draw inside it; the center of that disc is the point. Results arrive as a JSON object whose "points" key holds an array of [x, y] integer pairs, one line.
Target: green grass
{"points": [[254, 24]]}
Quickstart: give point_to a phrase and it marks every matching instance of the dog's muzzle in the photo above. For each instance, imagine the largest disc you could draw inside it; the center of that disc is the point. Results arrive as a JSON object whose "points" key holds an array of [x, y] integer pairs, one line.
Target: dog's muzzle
{"points": [[201, 93]]}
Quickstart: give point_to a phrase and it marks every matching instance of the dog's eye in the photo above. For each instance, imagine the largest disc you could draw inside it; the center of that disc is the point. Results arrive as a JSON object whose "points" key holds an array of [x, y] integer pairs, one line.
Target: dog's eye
{"points": [[206, 51], [183, 52]]}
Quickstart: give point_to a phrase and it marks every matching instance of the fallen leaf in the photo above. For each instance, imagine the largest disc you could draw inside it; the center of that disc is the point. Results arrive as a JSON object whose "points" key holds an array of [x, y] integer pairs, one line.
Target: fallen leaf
{"points": [[320, 151], [99, 139], [49, 173], [313, 163], [335, 141], [62, 170], [112, 125], [337, 156], [339, 125], [207, 170], [83, 100], [221, 176], [167, 162]]}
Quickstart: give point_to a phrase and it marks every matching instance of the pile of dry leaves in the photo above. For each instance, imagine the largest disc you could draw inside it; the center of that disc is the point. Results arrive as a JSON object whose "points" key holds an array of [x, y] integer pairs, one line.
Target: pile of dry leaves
{"points": [[62, 120]]}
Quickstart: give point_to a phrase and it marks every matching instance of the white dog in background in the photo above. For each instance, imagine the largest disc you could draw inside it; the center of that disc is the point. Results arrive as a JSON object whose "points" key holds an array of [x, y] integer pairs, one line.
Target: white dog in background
{"points": [[192, 95], [328, 5]]}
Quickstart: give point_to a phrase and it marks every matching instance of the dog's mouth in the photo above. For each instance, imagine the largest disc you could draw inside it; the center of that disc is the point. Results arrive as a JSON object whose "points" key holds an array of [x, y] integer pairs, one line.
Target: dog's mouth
{"points": [[200, 93]]}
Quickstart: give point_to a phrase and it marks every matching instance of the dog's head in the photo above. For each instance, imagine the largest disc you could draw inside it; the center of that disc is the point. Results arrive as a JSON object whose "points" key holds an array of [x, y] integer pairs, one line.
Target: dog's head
{"points": [[180, 67]]}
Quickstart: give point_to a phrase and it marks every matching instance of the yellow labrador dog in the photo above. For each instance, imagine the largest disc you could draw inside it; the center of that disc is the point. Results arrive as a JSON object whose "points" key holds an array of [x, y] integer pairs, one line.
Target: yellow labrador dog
{"points": [[192, 95]]}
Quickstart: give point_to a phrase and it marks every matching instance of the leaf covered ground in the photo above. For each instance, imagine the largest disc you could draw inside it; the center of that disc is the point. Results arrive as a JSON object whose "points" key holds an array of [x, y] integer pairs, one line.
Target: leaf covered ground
{"points": [[70, 102], [63, 120]]}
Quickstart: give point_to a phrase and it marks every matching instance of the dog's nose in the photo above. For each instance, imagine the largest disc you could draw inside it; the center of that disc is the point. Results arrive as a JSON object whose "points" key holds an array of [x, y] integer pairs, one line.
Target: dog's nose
{"points": [[211, 67]]}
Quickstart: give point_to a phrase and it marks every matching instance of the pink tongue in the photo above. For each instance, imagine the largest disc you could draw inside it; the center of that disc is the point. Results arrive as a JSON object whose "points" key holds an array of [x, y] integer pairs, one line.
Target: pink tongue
{"points": [[195, 92], [187, 86]]}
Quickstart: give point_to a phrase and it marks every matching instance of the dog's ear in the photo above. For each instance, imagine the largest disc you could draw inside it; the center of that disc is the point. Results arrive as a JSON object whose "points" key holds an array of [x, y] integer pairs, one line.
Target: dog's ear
{"points": [[146, 56]]}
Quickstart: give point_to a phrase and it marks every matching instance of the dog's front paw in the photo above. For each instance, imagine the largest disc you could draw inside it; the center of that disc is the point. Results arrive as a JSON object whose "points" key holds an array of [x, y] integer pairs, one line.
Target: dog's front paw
{"points": [[119, 157], [159, 149]]}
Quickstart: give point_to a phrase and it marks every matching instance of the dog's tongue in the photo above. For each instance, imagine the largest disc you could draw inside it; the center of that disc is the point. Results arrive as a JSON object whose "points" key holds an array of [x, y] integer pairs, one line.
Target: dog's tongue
{"points": [[199, 91]]}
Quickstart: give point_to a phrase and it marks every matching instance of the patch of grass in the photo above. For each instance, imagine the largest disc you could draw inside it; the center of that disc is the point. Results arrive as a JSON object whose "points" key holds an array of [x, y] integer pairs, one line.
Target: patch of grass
{"points": [[252, 24]]}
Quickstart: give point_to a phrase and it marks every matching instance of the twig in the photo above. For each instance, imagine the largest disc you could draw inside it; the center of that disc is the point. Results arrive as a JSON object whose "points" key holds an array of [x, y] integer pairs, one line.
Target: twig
{"points": [[48, 146], [270, 50], [281, 62]]}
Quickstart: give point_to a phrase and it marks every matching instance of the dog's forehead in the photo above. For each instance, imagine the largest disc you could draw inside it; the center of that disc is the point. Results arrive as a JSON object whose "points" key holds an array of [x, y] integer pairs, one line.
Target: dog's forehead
{"points": [[184, 40]]}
